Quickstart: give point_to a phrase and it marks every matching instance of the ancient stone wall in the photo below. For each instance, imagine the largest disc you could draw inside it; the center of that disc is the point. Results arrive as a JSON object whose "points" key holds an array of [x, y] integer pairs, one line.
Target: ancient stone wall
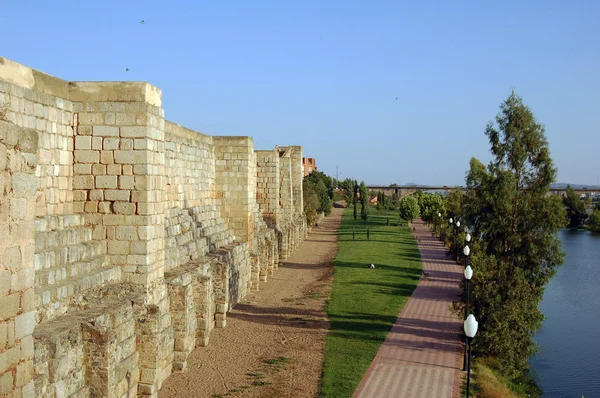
{"points": [[125, 238]]}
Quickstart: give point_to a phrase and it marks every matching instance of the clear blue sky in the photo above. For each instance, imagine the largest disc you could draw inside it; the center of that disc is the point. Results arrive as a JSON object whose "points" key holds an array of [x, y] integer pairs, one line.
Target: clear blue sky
{"points": [[326, 74]]}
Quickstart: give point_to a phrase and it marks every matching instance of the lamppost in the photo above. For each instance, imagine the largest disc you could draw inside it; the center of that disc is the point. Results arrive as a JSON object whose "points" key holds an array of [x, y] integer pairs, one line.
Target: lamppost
{"points": [[457, 229], [450, 231], [468, 272], [468, 239], [470, 327]]}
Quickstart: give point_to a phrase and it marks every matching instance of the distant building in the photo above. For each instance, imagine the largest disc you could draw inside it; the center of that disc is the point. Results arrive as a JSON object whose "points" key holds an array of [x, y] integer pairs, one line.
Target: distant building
{"points": [[310, 165]]}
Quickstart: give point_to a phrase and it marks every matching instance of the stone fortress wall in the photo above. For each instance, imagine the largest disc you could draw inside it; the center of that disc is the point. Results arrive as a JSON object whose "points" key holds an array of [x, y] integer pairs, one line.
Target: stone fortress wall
{"points": [[125, 238]]}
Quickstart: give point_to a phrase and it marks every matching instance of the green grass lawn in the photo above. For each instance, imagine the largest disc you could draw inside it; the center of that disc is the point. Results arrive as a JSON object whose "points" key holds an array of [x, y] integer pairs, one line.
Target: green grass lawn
{"points": [[366, 302]]}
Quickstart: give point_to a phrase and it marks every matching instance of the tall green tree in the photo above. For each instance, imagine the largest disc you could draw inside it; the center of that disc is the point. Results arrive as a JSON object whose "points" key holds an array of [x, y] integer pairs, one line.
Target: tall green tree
{"points": [[364, 201], [576, 208], [515, 222], [355, 198], [594, 221], [409, 208]]}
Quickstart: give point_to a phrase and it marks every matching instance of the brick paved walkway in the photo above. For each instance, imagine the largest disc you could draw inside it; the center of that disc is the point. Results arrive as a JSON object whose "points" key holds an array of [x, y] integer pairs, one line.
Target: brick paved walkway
{"points": [[422, 355]]}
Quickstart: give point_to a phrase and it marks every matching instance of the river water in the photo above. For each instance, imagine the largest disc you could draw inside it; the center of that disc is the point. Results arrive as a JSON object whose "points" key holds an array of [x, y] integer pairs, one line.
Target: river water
{"points": [[568, 364]]}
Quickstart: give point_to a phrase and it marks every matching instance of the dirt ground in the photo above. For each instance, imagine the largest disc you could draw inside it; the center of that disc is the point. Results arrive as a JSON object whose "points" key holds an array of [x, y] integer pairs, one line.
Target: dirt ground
{"points": [[273, 343]]}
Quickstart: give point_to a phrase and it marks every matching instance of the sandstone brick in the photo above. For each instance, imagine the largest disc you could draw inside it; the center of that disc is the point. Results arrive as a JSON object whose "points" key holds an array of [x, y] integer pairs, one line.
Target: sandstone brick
{"points": [[3, 335], [81, 168], [91, 206], [126, 144], [104, 207], [27, 347], [83, 182], [120, 195], [105, 131], [87, 156], [96, 194], [109, 118], [24, 184], [113, 169], [5, 277], [137, 131], [9, 358], [99, 232], [131, 157], [28, 300], [118, 247], [125, 119], [6, 384], [127, 170], [97, 144], [83, 142], [106, 182], [24, 373], [126, 233], [18, 208], [123, 208], [113, 219], [126, 182], [98, 169], [22, 279], [107, 157], [12, 258], [110, 143], [10, 306]]}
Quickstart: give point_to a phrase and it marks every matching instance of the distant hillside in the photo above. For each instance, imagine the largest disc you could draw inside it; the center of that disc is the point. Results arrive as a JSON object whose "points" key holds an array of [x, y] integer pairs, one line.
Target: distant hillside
{"points": [[562, 185]]}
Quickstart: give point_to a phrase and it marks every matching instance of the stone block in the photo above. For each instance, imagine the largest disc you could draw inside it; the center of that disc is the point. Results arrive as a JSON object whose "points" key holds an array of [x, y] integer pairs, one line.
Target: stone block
{"points": [[83, 142], [24, 373], [99, 169], [118, 247], [123, 208], [83, 182], [126, 233], [97, 143], [105, 131], [6, 384], [24, 184], [91, 206], [110, 144], [120, 195], [5, 276], [134, 132], [131, 157], [81, 168], [18, 208], [106, 182], [96, 194], [127, 182], [113, 169], [12, 258], [106, 157], [82, 156]]}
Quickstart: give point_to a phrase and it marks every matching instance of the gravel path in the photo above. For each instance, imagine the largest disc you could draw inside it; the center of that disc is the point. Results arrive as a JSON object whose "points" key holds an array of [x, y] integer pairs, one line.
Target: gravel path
{"points": [[273, 343]]}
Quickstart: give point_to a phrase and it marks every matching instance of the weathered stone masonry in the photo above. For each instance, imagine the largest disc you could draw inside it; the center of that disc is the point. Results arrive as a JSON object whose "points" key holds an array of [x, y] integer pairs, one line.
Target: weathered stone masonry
{"points": [[125, 238]]}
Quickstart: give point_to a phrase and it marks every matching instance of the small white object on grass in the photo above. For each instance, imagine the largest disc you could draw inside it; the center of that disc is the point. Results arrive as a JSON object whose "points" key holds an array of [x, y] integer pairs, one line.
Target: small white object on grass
{"points": [[372, 266]]}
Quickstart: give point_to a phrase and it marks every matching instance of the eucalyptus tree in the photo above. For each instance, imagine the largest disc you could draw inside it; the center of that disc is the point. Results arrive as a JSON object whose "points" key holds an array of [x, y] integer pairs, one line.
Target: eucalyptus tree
{"points": [[514, 222]]}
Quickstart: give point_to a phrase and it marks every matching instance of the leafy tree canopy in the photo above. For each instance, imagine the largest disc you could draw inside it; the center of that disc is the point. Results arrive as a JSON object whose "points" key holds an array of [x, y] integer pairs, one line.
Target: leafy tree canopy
{"points": [[576, 208], [515, 222], [409, 208]]}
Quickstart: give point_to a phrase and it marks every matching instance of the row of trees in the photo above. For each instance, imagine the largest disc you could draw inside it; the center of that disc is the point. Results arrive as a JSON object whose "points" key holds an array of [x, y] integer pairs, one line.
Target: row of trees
{"points": [[317, 194], [515, 250]]}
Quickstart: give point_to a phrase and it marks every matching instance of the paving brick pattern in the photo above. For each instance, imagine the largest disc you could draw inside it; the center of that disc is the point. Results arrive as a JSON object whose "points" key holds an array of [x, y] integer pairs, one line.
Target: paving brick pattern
{"points": [[422, 355]]}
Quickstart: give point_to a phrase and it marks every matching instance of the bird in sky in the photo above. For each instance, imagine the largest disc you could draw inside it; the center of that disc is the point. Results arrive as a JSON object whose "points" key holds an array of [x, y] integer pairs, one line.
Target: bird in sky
{"points": [[142, 22], [396, 98], [126, 69]]}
